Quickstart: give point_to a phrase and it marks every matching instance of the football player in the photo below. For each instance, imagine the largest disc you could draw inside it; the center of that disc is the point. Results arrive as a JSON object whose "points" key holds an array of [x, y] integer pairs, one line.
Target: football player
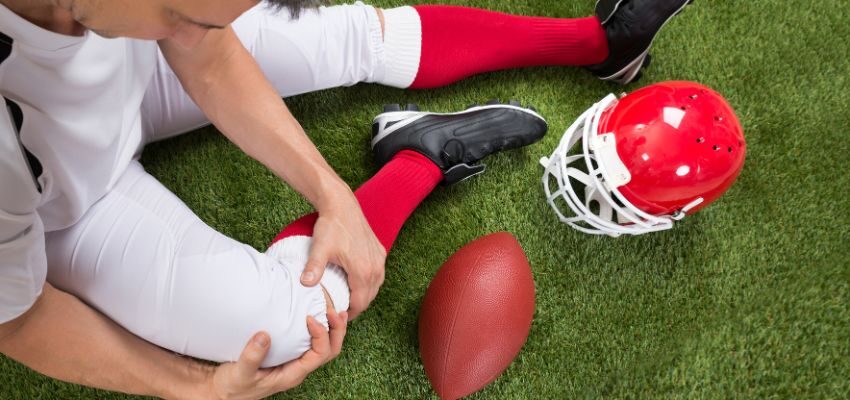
{"points": [[101, 266]]}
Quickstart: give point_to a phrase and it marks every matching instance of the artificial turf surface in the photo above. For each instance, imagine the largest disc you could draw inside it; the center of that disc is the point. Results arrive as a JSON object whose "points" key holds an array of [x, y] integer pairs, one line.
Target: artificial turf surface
{"points": [[749, 298]]}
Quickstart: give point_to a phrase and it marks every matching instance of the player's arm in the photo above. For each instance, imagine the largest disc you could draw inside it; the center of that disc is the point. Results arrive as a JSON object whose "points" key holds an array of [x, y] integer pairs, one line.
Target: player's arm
{"points": [[228, 85], [225, 82], [63, 338]]}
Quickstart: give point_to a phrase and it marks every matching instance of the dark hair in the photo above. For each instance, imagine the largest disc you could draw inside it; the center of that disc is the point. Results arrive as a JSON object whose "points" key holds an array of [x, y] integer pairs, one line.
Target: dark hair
{"points": [[295, 6]]}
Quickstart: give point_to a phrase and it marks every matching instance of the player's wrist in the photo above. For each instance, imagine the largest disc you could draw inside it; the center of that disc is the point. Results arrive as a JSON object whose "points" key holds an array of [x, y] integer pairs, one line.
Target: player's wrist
{"points": [[206, 388], [335, 197], [193, 380]]}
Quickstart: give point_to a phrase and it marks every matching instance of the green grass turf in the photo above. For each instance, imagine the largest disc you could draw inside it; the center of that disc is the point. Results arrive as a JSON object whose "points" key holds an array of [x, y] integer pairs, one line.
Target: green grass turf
{"points": [[747, 299]]}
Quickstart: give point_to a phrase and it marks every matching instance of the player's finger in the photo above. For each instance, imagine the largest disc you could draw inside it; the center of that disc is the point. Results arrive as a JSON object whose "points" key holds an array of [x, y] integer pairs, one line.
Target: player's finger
{"points": [[319, 337], [294, 372], [377, 281], [359, 299], [316, 263], [338, 323], [320, 347], [253, 355], [366, 288]]}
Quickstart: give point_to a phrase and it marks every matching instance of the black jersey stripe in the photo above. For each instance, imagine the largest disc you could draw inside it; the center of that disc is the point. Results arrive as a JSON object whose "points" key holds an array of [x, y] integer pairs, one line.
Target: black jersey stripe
{"points": [[18, 115], [18, 119], [5, 47]]}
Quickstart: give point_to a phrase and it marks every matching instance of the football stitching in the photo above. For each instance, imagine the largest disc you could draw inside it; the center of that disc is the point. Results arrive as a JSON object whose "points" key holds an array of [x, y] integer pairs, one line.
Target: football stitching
{"points": [[454, 320]]}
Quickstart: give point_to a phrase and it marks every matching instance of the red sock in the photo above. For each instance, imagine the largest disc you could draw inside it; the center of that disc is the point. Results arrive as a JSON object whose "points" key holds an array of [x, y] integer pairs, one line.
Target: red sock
{"points": [[458, 42], [387, 199]]}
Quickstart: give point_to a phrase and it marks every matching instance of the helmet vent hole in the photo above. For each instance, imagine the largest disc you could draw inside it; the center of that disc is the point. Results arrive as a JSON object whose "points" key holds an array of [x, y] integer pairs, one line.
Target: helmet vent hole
{"points": [[718, 118], [730, 149], [693, 97], [683, 108], [700, 140], [716, 147]]}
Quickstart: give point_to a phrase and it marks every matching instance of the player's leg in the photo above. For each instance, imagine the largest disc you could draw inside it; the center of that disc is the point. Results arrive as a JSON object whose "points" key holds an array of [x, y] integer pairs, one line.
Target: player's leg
{"points": [[427, 46], [443, 44], [323, 48], [387, 200], [431, 45], [142, 258], [417, 151], [418, 47]]}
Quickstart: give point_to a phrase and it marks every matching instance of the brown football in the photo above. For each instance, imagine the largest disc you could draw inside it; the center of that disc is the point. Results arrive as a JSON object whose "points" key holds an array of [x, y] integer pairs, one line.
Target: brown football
{"points": [[476, 315]]}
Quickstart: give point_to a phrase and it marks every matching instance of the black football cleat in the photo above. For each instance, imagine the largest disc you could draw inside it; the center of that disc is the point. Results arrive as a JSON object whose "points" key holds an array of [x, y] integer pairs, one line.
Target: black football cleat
{"points": [[456, 141], [631, 26]]}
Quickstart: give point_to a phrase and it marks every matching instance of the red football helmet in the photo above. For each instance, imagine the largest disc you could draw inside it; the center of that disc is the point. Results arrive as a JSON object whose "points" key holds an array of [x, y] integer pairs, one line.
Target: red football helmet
{"points": [[646, 159]]}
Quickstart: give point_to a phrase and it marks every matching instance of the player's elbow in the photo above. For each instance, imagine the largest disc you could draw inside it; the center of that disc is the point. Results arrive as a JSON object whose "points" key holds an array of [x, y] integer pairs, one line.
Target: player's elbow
{"points": [[8, 330], [12, 329]]}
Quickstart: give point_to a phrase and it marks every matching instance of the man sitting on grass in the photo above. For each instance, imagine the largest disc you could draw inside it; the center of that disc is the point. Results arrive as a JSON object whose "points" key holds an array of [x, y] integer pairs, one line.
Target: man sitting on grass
{"points": [[87, 83]]}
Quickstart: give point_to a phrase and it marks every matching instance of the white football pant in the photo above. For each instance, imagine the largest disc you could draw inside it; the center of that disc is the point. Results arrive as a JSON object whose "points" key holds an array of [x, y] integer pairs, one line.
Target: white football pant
{"points": [[142, 258]]}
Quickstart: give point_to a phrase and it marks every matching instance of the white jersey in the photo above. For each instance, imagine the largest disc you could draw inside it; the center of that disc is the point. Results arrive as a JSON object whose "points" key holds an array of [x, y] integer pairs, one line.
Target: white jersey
{"points": [[69, 128]]}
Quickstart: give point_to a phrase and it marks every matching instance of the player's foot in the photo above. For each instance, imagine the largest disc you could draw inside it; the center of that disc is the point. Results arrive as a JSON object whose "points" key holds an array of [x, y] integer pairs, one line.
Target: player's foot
{"points": [[455, 142], [631, 26]]}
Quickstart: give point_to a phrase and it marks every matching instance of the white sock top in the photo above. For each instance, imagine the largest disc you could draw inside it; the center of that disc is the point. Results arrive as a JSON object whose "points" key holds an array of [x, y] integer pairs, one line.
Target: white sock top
{"points": [[403, 46]]}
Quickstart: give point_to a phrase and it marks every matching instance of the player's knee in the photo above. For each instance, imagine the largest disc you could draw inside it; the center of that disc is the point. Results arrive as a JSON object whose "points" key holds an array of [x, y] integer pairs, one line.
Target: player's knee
{"points": [[282, 315], [293, 252], [215, 320], [290, 339]]}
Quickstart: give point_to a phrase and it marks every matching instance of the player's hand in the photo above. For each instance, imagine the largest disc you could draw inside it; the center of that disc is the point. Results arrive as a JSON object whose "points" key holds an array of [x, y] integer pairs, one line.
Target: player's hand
{"points": [[245, 380], [342, 236]]}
